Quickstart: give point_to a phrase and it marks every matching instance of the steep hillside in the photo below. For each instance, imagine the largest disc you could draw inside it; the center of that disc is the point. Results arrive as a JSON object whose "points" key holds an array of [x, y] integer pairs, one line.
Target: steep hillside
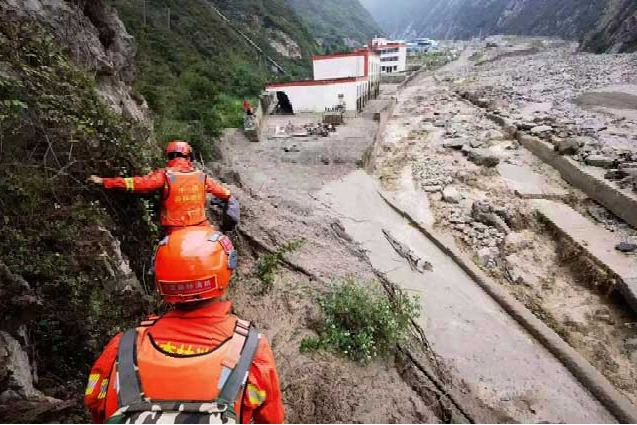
{"points": [[467, 18], [616, 31], [337, 24], [70, 254], [195, 69]]}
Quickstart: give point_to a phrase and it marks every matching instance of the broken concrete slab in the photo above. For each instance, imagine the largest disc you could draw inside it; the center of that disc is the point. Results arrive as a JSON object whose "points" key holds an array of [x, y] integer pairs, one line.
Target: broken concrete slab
{"points": [[528, 184], [600, 161], [621, 202], [596, 242]]}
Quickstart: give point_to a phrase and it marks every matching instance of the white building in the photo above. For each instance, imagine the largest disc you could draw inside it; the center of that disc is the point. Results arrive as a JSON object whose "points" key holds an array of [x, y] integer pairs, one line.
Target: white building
{"points": [[393, 54], [347, 79]]}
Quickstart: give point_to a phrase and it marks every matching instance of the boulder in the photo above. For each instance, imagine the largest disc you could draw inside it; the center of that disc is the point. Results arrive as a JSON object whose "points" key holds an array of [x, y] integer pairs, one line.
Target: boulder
{"points": [[476, 143], [484, 157], [631, 344], [626, 247], [456, 144], [15, 365], [541, 129], [432, 189], [451, 195], [566, 146]]}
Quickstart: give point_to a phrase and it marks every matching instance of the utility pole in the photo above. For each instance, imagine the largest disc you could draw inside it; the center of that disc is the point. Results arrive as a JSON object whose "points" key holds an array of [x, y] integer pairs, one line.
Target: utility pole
{"points": [[169, 19], [144, 9]]}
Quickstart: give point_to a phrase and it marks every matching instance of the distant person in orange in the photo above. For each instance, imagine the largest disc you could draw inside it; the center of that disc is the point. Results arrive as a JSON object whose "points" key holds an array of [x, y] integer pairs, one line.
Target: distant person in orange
{"points": [[184, 190], [197, 363], [247, 108]]}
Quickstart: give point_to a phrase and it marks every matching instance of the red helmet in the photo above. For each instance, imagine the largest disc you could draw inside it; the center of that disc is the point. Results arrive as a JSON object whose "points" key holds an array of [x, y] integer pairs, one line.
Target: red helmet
{"points": [[179, 146], [193, 264]]}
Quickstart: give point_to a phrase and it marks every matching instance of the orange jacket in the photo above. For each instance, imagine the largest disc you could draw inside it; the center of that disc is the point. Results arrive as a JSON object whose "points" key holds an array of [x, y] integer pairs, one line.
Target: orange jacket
{"points": [[194, 332], [157, 180]]}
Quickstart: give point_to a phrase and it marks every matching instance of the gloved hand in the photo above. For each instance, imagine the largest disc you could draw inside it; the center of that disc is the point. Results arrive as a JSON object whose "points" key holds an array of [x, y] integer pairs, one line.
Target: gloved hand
{"points": [[231, 215], [231, 212]]}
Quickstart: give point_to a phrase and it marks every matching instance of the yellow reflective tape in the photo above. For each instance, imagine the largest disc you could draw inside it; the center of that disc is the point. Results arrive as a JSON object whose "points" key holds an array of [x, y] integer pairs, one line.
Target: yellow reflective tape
{"points": [[130, 183], [103, 389], [255, 395], [92, 382]]}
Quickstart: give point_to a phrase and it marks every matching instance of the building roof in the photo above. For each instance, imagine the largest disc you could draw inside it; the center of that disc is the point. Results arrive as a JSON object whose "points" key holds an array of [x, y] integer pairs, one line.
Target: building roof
{"points": [[306, 83], [361, 52], [388, 45]]}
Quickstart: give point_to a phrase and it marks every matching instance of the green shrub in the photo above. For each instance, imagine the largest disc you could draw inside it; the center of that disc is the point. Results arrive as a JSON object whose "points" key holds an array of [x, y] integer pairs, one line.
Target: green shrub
{"points": [[268, 265], [361, 322], [54, 132], [196, 72]]}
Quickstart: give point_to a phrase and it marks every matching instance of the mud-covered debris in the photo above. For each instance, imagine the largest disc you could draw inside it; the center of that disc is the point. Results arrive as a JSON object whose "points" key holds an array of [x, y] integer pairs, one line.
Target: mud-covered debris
{"points": [[483, 212], [516, 242], [488, 256], [415, 262]]}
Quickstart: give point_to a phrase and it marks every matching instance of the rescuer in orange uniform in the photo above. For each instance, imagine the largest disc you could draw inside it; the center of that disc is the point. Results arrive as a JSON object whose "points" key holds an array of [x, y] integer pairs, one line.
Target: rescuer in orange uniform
{"points": [[184, 190], [192, 361]]}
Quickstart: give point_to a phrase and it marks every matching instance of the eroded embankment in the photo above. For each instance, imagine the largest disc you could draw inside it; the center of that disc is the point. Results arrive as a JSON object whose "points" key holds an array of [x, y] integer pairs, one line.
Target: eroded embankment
{"points": [[481, 184]]}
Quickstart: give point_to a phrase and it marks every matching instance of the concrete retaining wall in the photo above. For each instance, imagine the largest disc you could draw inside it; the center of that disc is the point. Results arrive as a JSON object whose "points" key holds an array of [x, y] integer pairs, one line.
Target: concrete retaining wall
{"points": [[369, 159], [622, 204], [587, 374]]}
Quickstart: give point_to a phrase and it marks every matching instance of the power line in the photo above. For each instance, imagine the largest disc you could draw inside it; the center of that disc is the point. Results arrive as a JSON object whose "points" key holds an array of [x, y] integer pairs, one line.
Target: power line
{"points": [[247, 39]]}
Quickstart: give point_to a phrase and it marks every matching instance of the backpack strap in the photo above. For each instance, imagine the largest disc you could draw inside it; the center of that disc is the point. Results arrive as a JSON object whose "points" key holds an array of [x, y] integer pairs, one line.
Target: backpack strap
{"points": [[130, 389], [239, 373]]}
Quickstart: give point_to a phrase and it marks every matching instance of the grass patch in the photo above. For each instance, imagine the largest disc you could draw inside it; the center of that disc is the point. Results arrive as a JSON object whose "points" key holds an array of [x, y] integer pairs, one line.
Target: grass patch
{"points": [[268, 265], [361, 322]]}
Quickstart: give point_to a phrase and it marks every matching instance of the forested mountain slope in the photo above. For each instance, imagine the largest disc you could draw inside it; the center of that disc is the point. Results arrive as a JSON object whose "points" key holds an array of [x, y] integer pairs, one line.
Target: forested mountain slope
{"points": [[195, 68], [337, 23]]}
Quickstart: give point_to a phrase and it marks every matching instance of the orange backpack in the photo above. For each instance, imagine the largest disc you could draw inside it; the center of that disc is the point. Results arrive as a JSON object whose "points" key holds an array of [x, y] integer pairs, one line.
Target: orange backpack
{"points": [[184, 202], [156, 387]]}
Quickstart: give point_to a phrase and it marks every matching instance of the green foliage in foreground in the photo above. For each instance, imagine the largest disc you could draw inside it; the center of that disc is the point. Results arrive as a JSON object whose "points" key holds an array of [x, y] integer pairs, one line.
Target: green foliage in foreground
{"points": [[362, 322], [54, 132]]}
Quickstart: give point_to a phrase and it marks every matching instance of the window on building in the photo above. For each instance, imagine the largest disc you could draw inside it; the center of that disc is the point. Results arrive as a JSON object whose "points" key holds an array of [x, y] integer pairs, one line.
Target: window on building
{"points": [[390, 59]]}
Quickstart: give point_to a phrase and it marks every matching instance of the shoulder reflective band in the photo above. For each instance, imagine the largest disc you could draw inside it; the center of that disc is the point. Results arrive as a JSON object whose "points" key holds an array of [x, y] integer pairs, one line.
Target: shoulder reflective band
{"points": [[130, 183]]}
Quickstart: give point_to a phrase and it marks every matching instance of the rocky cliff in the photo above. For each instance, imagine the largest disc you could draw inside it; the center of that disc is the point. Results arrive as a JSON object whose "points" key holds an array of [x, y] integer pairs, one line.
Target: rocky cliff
{"points": [[602, 24], [70, 255], [616, 31]]}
